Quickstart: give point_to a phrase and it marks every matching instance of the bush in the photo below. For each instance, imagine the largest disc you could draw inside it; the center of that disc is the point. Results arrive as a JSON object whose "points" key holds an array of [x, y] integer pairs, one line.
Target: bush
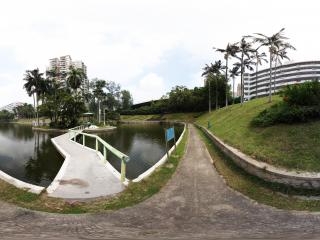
{"points": [[285, 113], [301, 102], [304, 94]]}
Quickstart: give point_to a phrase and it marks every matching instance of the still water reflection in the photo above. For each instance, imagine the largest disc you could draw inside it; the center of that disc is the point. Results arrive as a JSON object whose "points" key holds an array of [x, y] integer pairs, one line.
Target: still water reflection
{"points": [[28, 155], [31, 157], [144, 144]]}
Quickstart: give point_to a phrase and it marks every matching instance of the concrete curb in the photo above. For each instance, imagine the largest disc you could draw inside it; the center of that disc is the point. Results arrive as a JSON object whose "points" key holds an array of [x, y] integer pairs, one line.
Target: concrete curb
{"points": [[20, 184], [161, 161], [267, 172]]}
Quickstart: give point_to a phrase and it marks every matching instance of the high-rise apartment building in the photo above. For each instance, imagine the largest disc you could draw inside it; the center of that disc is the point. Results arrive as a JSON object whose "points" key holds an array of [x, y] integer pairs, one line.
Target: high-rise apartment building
{"points": [[258, 84], [62, 65]]}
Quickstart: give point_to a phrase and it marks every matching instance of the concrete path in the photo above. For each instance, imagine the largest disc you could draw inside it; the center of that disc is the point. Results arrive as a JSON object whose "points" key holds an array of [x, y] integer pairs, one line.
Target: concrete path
{"points": [[83, 174], [195, 204]]}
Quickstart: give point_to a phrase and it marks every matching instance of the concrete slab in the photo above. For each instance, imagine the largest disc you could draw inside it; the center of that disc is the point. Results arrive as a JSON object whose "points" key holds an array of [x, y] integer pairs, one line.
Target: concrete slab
{"points": [[83, 173]]}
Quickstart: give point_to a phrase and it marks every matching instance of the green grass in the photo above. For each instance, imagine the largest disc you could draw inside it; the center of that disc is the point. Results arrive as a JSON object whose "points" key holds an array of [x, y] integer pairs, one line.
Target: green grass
{"points": [[133, 194], [186, 117], [292, 146], [257, 189]]}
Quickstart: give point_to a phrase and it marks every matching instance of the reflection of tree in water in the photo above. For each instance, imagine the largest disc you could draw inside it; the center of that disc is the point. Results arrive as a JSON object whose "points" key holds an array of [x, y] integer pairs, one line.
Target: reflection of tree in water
{"points": [[43, 166], [16, 131]]}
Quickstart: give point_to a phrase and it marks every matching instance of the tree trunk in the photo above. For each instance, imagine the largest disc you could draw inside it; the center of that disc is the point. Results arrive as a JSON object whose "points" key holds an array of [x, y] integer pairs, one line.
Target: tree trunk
{"points": [[257, 79], [209, 96], [232, 90], [241, 84], [216, 93], [227, 81], [270, 83], [37, 110]]}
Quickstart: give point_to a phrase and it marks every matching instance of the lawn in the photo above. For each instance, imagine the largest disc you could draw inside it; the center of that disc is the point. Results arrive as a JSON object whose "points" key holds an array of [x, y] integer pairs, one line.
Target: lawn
{"points": [[185, 117], [291, 146]]}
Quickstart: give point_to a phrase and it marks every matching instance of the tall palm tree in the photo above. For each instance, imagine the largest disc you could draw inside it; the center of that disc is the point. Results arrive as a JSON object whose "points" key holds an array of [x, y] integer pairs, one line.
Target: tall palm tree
{"points": [[213, 70], [258, 58], [245, 51], [234, 72], [34, 86], [274, 43], [229, 51], [75, 78], [99, 93]]}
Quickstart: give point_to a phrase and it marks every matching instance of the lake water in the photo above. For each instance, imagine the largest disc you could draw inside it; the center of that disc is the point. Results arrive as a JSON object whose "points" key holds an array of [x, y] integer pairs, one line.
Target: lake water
{"points": [[31, 157]]}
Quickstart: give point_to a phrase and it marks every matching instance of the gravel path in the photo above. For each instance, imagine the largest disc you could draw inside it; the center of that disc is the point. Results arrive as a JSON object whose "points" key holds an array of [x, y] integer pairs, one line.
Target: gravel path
{"points": [[195, 204]]}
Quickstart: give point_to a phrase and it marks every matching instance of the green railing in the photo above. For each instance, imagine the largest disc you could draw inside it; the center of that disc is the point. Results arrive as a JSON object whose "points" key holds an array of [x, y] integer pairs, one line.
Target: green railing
{"points": [[124, 158]]}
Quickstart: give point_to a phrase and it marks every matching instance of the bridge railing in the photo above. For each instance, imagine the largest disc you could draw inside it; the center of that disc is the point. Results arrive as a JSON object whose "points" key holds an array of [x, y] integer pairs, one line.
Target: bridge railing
{"points": [[121, 156]]}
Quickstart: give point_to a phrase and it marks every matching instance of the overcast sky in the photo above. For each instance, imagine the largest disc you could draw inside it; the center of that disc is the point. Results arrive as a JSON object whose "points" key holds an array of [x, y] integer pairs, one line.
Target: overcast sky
{"points": [[146, 46]]}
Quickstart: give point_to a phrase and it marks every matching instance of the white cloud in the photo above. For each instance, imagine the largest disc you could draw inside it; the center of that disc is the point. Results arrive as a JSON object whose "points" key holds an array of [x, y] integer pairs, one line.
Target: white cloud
{"points": [[120, 40], [150, 87]]}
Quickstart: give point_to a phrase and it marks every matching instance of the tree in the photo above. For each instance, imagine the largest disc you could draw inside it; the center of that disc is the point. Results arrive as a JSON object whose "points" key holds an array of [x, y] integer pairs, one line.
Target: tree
{"points": [[274, 43], [113, 96], [99, 94], [126, 100], [209, 72], [35, 86], [75, 78], [245, 50], [234, 72], [258, 58], [230, 50]]}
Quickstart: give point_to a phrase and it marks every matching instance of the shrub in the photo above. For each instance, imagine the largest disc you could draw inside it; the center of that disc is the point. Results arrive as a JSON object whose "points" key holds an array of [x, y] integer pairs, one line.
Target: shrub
{"points": [[304, 94], [285, 113]]}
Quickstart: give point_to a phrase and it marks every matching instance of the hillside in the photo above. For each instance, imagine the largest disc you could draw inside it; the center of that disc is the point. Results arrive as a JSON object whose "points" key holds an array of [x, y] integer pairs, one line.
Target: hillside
{"points": [[294, 146]]}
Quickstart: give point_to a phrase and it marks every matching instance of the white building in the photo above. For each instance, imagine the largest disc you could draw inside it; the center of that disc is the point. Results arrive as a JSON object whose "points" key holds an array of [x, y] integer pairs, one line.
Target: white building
{"points": [[290, 73], [63, 64]]}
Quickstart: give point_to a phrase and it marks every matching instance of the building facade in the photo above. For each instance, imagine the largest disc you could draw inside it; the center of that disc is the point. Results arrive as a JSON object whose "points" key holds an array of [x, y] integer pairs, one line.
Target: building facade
{"points": [[62, 65], [286, 74]]}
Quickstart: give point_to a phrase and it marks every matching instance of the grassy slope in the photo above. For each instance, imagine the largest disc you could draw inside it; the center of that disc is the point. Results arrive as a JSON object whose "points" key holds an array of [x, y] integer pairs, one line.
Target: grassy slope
{"points": [[293, 146], [187, 117]]}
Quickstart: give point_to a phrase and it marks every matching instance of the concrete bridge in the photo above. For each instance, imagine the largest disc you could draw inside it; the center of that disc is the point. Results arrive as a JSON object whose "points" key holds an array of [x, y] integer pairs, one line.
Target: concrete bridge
{"points": [[85, 172]]}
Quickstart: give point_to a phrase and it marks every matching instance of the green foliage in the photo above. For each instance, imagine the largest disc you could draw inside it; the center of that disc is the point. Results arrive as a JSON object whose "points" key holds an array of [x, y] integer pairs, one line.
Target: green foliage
{"points": [[301, 102], [304, 94], [113, 115], [24, 111], [6, 115], [285, 113]]}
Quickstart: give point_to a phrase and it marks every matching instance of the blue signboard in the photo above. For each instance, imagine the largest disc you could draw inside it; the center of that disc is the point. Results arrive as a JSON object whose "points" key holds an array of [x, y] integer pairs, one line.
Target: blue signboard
{"points": [[169, 134]]}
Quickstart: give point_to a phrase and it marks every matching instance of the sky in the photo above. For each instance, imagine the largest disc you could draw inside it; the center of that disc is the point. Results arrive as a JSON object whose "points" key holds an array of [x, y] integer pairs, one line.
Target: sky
{"points": [[147, 46]]}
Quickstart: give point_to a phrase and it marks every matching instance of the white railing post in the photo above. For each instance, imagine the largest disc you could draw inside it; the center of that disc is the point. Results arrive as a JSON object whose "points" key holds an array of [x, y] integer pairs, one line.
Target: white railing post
{"points": [[123, 170]]}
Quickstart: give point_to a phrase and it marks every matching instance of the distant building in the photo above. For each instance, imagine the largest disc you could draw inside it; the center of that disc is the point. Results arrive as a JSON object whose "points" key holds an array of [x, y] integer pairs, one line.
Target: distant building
{"points": [[286, 74], [11, 106], [62, 66], [238, 93]]}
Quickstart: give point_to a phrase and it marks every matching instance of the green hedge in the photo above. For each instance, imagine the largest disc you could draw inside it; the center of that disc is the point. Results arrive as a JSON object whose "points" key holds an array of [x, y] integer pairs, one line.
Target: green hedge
{"points": [[301, 103]]}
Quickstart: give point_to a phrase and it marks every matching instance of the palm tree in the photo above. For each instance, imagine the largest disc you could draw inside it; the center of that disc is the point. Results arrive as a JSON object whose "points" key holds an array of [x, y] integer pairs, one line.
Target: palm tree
{"points": [[34, 86], [279, 55], [245, 50], [258, 57], [230, 50], [274, 43], [234, 72], [75, 78], [98, 93], [213, 70]]}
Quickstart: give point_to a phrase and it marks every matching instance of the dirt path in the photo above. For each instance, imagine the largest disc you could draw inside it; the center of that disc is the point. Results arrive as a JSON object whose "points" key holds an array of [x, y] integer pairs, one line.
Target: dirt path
{"points": [[195, 204]]}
